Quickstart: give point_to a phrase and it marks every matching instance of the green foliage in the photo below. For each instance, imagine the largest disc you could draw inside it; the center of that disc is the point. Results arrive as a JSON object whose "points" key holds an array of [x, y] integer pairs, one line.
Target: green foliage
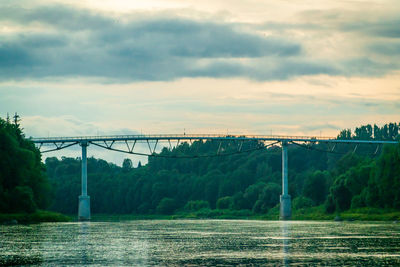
{"points": [[315, 186], [166, 206], [127, 164], [268, 198], [312, 213], [384, 183], [252, 194], [248, 183], [21, 199], [341, 195], [195, 205], [302, 202], [366, 182], [345, 134], [367, 132], [330, 204], [23, 182], [224, 203], [35, 217], [357, 202], [371, 214]]}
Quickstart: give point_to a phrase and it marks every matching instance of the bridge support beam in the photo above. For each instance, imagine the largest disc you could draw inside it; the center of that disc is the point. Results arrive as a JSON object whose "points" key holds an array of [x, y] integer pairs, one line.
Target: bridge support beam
{"points": [[286, 203], [84, 199]]}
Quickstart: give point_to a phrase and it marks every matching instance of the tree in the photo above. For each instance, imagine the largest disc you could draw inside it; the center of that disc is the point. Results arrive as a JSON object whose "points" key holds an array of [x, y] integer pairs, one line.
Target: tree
{"points": [[315, 186], [386, 177], [127, 165], [302, 202], [224, 203], [195, 205], [363, 132], [268, 198], [340, 194], [21, 199], [344, 134], [23, 183], [166, 206], [252, 194]]}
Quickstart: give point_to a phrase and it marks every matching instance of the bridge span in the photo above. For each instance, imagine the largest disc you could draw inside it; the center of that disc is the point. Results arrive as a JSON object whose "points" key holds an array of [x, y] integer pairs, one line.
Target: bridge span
{"points": [[130, 141]]}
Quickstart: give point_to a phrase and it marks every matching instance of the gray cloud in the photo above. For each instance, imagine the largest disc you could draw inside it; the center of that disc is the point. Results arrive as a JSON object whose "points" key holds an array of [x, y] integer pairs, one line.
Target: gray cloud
{"points": [[160, 48], [385, 48], [320, 126], [365, 66], [386, 27], [80, 42], [12, 56], [57, 16], [289, 68], [373, 24]]}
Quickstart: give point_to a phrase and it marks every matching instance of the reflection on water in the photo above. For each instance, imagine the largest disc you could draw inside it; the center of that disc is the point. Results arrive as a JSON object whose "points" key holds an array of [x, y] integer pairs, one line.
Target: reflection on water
{"points": [[201, 242], [83, 242], [285, 239]]}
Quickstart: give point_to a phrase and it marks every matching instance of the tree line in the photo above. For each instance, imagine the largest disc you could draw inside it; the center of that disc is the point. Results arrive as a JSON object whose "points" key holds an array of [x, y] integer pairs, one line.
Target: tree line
{"points": [[339, 178], [335, 177], [24, 185]]}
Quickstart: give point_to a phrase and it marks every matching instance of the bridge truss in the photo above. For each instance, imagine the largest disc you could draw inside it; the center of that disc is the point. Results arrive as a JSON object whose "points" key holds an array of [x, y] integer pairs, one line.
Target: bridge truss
{"points": [[129, 143], [173, 140]]}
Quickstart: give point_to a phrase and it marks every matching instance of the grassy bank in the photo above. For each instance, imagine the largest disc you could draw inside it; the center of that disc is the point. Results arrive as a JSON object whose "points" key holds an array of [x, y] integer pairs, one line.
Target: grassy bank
{"points": [[200, 214], [360, 214], [36, 217], [371, 214], [314, 213]]}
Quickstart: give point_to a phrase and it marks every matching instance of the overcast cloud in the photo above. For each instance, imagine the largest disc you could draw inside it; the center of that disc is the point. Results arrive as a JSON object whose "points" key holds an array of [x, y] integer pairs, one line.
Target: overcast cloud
{"points": [[69, 41], [259, 67]]}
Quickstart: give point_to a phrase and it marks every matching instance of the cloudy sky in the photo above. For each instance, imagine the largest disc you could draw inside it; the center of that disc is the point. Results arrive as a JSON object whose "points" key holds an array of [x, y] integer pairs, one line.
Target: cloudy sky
{"points": [[295, 67]]}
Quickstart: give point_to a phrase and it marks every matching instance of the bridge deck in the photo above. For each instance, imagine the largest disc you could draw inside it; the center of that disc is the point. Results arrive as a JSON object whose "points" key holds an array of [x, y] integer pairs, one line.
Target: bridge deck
{"points": [[218, 137]]}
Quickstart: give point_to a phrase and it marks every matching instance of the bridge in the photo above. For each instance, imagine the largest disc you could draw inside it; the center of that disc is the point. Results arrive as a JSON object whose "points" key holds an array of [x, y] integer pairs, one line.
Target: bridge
{"points": [[152, 141]]}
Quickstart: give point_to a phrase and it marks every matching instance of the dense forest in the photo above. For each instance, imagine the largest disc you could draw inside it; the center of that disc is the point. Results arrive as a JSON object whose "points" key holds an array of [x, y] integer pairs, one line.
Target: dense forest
{"points": [[336, 178], [24, 186], [193, 178]]}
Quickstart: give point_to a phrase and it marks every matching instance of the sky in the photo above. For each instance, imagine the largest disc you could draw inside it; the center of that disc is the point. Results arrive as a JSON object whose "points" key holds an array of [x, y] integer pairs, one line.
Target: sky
{"points": [[298, 67]]}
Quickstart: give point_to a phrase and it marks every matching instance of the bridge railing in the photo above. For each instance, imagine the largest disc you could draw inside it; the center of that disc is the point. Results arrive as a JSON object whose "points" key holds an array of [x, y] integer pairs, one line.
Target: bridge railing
{"points": [[174, 137]]}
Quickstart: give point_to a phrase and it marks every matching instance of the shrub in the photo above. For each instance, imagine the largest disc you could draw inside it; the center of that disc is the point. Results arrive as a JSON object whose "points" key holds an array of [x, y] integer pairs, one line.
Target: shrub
{"points": [[224, 203], [302, 202], [268, 198], [195, 205], [21, 199], [166, 206], [357, 202]]}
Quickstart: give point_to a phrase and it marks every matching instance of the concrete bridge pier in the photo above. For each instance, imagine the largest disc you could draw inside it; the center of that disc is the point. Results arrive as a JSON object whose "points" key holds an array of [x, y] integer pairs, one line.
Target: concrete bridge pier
{"points": [[286, 203], [84, 199]]}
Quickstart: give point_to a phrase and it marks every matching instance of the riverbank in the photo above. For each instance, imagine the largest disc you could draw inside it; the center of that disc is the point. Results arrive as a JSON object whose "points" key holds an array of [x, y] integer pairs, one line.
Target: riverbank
{"points": [[314, 213], [36, 217], [360, 214]]}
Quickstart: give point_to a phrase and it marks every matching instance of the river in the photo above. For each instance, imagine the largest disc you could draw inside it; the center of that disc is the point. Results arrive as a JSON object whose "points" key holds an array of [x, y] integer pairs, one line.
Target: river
{"points": [[201, 242]]}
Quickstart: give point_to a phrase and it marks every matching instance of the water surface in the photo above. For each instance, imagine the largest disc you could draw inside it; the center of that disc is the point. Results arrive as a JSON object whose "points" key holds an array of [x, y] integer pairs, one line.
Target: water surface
{"points": [[201, 242]]}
